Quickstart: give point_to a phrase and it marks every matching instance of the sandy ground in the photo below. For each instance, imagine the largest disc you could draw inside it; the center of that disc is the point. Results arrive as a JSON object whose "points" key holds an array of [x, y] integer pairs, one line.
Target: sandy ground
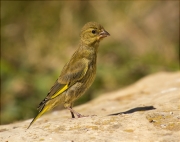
{"points": [[146, 111]]}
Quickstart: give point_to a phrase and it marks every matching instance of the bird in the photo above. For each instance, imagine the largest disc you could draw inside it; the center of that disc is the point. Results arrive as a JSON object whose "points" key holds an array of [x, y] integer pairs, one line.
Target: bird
{"points": [[78, 74]]}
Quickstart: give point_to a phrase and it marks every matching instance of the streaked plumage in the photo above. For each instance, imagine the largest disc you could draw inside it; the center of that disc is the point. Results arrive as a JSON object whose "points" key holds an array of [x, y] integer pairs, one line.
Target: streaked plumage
{"points": [[78, 74]]}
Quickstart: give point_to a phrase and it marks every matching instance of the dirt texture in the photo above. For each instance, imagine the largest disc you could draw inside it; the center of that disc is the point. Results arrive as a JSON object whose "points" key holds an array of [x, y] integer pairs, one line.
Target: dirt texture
{"points": [[146, 111]]}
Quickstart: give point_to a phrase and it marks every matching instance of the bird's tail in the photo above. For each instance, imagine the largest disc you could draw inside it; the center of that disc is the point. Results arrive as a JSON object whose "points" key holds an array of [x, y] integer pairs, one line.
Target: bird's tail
{"points": [[43, 110]]}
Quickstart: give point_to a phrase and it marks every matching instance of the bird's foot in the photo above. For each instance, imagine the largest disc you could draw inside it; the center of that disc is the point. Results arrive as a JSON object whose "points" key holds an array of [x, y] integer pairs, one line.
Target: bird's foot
{"points": [[80, 115], [77, 114]]}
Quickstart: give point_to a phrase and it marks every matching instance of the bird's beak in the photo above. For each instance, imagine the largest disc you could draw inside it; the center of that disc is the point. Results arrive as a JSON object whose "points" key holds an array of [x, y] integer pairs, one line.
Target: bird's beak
{"points": [[103, 34]]}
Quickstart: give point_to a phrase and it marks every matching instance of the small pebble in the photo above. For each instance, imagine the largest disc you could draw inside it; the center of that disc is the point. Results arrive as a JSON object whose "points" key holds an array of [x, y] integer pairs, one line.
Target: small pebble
{"points": [[171, 112], [163, 125]]}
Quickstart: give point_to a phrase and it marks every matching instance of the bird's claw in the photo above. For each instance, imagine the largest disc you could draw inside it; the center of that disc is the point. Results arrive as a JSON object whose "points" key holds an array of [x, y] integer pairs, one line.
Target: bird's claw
{"points": [[80, 115]]}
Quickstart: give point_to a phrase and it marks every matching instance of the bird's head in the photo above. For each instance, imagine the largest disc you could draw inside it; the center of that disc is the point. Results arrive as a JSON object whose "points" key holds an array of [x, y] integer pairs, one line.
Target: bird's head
{"points": [[92, 33]]}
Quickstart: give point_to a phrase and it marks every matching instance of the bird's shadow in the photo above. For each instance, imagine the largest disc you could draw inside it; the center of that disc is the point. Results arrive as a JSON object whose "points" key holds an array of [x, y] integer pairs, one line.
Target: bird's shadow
{"points": [[146, 108]]}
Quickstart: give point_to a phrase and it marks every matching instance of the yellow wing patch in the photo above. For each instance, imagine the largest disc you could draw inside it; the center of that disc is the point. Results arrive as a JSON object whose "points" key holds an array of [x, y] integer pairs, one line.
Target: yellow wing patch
{"points": [[60, 91]]}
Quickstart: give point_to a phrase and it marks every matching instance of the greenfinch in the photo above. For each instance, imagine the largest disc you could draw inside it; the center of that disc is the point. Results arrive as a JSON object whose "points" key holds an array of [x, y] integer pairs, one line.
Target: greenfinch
{"points": [[78, 74]]}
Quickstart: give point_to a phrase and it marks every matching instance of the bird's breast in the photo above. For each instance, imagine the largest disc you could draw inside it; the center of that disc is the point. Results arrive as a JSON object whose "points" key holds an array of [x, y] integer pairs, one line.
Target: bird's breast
{"points": [[89, 76]]}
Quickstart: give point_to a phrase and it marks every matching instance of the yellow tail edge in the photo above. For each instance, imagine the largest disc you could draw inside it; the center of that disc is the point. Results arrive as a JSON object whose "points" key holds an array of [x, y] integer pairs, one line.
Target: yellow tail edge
{"points": [[39, 115]]}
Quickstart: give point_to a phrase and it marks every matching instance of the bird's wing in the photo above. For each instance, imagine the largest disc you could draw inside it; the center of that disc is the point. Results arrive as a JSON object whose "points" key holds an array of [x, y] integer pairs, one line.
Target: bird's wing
{"points": [[71, 73]]}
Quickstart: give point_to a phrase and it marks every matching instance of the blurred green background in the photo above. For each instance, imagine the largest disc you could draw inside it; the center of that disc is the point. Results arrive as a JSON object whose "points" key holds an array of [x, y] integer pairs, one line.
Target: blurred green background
{"points": [[39, 37]]}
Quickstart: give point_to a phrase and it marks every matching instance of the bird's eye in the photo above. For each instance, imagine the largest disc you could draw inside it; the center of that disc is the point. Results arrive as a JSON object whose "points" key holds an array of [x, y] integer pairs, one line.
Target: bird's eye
{"points": [[93, 31]]}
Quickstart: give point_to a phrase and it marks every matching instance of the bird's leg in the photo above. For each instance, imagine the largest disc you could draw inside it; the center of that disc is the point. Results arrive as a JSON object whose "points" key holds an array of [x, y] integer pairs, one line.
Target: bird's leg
{"points": [[74, 112]]}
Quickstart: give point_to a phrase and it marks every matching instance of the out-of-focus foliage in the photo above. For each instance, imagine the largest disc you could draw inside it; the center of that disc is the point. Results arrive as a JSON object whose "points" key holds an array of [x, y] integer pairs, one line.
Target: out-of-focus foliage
{"points": [[39, 37]]}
